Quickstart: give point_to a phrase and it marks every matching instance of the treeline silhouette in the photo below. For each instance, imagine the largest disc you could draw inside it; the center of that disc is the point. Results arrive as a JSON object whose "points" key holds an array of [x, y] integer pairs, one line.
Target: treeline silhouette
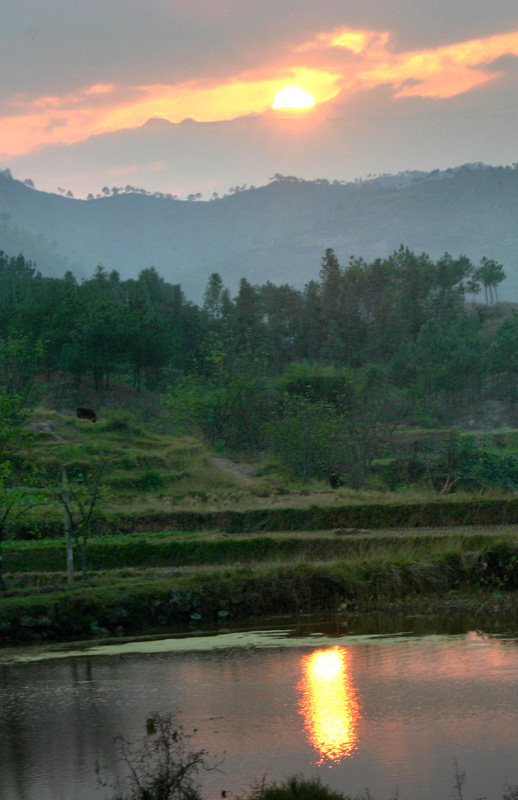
{"points": [[319, 378], [405, 314]]}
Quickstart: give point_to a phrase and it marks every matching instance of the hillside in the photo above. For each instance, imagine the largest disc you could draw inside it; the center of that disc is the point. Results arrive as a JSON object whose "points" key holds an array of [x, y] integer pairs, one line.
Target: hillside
{"points": [[276, 232]]}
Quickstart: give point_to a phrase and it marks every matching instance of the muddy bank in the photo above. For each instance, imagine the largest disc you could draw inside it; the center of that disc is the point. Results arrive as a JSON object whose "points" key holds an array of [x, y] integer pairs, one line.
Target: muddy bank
{"points": [[476, 583], [482, 611]]}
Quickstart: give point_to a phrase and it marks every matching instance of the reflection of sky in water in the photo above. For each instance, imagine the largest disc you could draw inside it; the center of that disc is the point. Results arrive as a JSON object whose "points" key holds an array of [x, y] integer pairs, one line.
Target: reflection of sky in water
{"points": [[328, 703], [357, 711]]}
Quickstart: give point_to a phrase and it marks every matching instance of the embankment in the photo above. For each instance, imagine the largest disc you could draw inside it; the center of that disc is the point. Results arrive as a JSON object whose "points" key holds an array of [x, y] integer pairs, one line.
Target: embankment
{"points": [[442, 512], [149, 602]]}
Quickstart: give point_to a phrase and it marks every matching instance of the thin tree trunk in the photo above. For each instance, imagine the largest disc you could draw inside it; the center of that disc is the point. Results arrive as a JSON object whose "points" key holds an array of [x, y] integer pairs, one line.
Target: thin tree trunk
{"points": [[3, 585], [68, 535], [82, 556]]}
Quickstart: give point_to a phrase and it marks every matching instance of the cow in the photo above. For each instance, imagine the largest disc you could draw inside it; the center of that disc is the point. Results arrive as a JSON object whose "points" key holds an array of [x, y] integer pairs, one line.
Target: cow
{"points": [[86, 413], [335, 480]]}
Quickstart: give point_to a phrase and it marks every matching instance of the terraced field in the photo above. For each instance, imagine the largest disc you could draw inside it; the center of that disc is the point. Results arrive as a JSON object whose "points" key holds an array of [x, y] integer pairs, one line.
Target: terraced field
{"points": [[179, 539]]}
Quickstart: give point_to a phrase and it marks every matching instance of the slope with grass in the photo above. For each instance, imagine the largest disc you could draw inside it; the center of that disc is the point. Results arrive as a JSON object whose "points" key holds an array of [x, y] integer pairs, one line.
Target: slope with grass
{"points": [[181, 541]]}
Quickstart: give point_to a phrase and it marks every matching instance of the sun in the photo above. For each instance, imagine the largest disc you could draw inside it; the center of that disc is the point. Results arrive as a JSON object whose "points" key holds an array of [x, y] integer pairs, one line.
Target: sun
{"points": [[293, 97]]}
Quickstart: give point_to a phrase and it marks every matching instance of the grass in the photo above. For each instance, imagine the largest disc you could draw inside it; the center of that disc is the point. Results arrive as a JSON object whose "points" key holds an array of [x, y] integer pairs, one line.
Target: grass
{"points": [[299, 788], [130, 449], [183, 476], [157, 481], [193, 549], [150, 598], [181, 537]]}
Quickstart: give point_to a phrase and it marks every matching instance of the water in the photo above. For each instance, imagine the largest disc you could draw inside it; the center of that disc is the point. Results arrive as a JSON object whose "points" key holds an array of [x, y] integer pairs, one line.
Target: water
{"points": [[377, 710]]}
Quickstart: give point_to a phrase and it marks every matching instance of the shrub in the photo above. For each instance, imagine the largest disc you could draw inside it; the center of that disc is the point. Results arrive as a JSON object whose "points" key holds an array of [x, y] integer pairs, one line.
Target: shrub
{"points": [[159, 764], [149, 480], [295, 788]]}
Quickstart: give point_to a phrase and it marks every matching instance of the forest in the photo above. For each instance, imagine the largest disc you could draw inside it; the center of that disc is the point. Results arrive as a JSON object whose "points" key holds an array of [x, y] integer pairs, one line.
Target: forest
{"points": [[319, 379]]}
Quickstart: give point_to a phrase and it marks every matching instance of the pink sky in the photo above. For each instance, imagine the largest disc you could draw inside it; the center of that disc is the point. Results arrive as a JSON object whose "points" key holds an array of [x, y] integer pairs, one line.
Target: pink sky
{"points": [[79, 70]]}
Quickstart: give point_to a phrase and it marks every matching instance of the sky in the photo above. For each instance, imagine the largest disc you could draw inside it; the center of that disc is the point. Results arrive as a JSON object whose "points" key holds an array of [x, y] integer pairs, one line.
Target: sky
{"points": [[398, 84]]}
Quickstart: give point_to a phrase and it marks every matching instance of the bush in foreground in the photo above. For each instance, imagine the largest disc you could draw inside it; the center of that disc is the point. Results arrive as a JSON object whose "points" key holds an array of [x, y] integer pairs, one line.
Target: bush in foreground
{"points": [[158, 766], [295, 788]]}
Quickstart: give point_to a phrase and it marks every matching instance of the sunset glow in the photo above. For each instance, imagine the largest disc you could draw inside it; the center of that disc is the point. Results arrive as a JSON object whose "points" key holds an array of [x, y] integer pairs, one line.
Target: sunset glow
{"points": [[341, 62], [72, 117], [328, 703], [293, 97]]}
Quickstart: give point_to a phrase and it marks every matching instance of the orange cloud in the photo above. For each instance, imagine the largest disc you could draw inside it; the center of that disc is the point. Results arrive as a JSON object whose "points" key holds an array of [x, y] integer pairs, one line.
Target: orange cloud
{"points": [[442, 72], [100, 88], [344, 60], [246, 95], [355, 41], [203, 102]]}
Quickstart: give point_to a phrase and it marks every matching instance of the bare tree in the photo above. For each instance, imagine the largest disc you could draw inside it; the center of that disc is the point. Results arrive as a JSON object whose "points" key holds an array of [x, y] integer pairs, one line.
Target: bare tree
{"points": [[158, 766], [80, 499], [15, 500]]}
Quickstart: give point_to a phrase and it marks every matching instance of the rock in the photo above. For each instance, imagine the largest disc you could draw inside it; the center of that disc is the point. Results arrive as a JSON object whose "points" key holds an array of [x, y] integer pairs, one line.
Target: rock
{"points": [[28, 622], [44, 622], [117, 615], [100, 632], [46, 430]]}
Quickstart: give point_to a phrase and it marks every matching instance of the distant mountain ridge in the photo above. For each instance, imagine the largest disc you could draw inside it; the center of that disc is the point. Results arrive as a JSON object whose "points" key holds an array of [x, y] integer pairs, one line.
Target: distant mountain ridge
{"points": [[276, 232]]}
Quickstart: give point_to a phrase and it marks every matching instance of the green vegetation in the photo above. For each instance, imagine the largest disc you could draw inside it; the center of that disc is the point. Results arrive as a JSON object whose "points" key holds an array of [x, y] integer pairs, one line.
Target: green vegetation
{"points": [[203, 489], [319, 379], [367, 574], [470, 209], [295, 788]]}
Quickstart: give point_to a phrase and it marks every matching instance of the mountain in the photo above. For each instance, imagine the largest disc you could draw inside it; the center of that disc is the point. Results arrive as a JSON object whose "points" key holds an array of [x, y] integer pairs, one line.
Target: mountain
{"points": [[276, 232]]}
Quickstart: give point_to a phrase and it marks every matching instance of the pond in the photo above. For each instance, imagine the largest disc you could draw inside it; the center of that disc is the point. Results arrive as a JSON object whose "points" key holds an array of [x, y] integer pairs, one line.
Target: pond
{"points": [[357, 702]]}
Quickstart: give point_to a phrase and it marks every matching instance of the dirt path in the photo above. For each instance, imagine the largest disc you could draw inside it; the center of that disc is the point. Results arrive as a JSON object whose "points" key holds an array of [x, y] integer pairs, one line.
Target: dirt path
{"points": [[243, 472]]}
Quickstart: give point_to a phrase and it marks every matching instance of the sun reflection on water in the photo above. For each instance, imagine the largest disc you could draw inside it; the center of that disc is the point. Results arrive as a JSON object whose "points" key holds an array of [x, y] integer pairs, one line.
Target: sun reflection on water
{"points": [[328, 703]]}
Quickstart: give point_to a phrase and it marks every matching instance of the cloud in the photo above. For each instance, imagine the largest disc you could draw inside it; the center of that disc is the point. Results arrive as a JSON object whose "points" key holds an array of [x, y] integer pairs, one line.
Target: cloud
{"points": [[143, 58], [369, 131], [55, 122], [67, 45]]}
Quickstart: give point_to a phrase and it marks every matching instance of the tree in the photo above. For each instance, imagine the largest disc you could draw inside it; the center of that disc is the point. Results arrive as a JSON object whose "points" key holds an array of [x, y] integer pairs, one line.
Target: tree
{"points": [[147, 342], [13, 413], [281, 311], [309, 439], [453, 278], [316, 437], [213, 297], [505, 355], [490, 274], [20, 360], [415, 277], [15, 500], [310, 326], [159, 766], [80, 499], [331, 285], [248, 327], [99, 342], [316, 382], [444, 361], [19, 393], [232, 412]]}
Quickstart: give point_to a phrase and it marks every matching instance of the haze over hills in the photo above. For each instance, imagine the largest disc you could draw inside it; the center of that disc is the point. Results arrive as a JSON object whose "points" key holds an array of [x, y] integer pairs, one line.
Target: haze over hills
{"points": [[276, 232]]}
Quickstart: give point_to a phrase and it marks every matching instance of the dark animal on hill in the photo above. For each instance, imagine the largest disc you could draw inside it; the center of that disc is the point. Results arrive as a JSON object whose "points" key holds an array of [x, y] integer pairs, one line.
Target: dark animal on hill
{"points": [[86, 413], [335, 481]]}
